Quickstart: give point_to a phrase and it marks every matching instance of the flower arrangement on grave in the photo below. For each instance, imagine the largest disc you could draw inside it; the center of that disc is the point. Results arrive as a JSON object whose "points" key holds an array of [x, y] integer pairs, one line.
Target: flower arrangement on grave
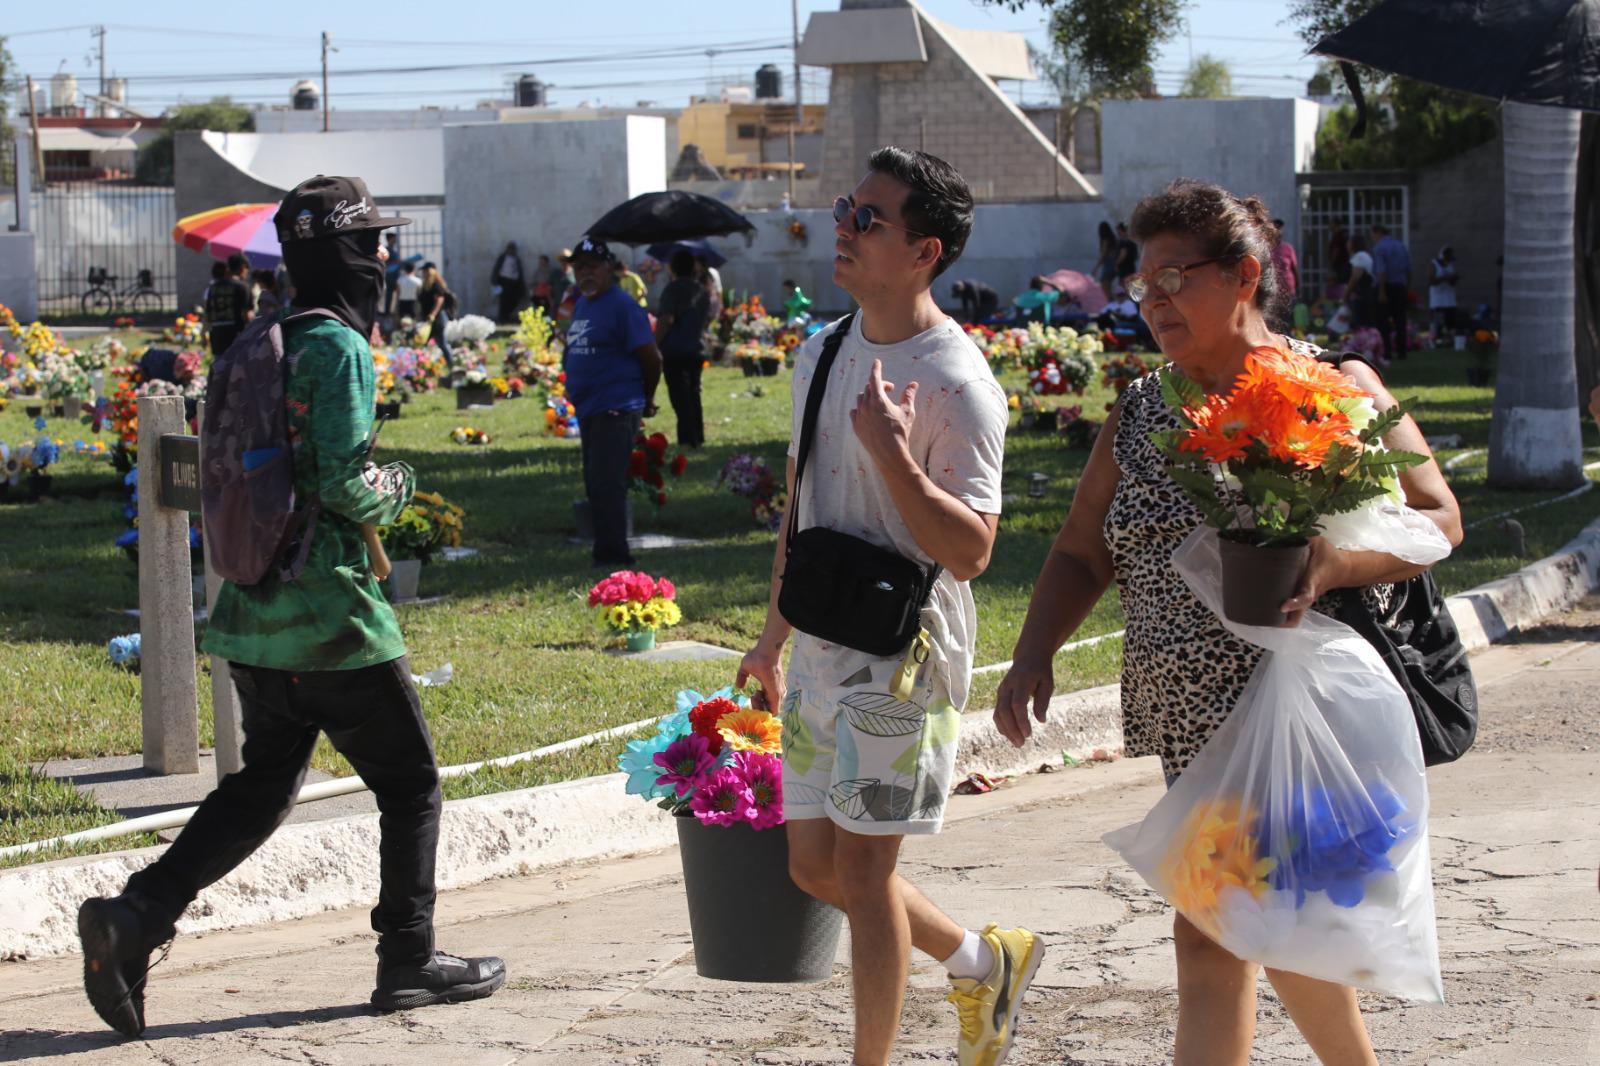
{"points": [[124, 651], [1120, 371], [429, 522], [469, 435], [122, 322], [102, 355], [748, 476], [716, 758], [533, 353], [798, 232], [471, 331], [560, 417], [416, 368], [186, 331], [60, 377], [648, 467], [631, 602], [1291, 444], [1060, 360], [1079, 432], [475, 377], [507, 388], [752, 326], [1365, 341]]}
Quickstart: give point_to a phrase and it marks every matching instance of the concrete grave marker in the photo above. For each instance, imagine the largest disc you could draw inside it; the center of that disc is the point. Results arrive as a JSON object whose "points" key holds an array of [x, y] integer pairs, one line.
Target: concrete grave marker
{"points": [[168, 708]]}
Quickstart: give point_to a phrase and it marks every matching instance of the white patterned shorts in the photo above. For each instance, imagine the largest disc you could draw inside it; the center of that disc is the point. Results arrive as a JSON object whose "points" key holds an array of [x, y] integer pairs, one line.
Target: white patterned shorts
{"points": [[872, 763]]}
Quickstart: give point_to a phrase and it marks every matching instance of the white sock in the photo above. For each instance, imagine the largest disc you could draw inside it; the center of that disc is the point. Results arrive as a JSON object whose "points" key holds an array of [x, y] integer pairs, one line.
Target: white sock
{"points": [[973, 960]]}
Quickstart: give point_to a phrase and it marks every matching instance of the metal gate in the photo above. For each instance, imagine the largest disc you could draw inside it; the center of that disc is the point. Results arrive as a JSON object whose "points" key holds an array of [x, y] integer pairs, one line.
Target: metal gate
{"points": [[1353, 208], [103, 226]]}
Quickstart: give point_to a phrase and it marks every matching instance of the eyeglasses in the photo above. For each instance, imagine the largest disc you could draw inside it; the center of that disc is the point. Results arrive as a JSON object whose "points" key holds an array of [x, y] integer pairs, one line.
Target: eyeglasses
{"points": [[865, 217], [1168, 279]]}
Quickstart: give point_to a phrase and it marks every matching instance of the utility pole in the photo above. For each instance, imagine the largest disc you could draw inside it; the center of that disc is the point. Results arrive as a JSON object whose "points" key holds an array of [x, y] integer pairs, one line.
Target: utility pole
{"points": [[100, 32], [33, 123], [324, 81], [799, 105]]}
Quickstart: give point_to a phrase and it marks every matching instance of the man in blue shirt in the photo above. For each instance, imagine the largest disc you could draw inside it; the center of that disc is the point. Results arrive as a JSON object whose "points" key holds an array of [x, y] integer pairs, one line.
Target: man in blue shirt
{"points": [[1391, 268], [613, 367]]}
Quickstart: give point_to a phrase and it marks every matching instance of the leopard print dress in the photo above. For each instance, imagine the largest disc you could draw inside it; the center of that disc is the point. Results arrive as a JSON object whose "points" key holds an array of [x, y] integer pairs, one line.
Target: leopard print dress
{"points": [[1182, 672]]}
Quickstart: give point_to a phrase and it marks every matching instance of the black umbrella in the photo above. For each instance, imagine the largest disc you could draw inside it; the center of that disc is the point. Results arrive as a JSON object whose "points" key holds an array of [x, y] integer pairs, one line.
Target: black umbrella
{"points": [[1529, 51], [660, 217]]}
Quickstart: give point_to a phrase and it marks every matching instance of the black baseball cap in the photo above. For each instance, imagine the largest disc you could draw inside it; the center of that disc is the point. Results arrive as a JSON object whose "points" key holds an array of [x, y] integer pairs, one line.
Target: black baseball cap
{"points": [[326, 206], [590, 246]]}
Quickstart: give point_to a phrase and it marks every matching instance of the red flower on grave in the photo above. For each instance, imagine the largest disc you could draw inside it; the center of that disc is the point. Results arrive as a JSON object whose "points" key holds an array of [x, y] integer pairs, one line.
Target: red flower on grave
{"points": [[658, 443], [680, 463], [637, 466]]}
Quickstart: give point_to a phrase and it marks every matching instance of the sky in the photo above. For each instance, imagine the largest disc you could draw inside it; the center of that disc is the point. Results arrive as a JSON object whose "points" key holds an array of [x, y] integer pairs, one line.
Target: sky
{"points": [[610, 52]]}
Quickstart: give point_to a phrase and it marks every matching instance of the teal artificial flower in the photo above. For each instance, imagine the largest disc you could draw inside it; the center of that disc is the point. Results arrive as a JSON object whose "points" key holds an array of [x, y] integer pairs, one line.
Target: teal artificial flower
{"points": [[638, 761]]}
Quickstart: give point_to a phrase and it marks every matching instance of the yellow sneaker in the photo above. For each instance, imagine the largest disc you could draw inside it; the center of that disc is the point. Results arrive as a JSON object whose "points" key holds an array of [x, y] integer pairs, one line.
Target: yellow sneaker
{"points": [[988, 1009]]}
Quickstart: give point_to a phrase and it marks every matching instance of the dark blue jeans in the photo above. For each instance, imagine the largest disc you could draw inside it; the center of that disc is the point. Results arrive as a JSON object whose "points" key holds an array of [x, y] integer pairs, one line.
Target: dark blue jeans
{"points": [[441, 325], [373, 718], [607, 445]]}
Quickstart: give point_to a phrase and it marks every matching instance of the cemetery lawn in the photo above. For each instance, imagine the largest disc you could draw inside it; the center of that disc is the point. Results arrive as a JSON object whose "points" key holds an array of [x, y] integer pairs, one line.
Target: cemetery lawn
{"points": [[531, 666]]}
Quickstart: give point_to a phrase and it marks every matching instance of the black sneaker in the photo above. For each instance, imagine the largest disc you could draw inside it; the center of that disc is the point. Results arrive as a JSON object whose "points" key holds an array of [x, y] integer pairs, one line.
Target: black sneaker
{"points": [[442, 979], [118, 935]]}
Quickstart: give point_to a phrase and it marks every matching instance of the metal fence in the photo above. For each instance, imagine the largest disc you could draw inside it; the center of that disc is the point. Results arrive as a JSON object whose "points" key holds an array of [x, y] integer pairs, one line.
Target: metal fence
{"points": [[100, 226], [1354, 208]]}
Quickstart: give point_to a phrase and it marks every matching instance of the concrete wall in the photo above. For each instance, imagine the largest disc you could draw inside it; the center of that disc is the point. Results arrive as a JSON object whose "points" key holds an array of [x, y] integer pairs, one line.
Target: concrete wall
{"points": [[541, 184], [205, 179], [1010, 243], [1461, 202], [1249, 147], [946, 107], [19, 281]]}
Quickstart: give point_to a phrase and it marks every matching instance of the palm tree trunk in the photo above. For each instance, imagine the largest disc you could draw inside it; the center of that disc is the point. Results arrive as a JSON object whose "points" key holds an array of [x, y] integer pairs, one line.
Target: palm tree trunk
{"points": [[1535, 440]]}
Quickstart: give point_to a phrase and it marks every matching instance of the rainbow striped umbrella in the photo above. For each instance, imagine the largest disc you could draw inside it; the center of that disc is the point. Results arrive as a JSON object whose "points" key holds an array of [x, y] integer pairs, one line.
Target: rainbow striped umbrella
{"points": [[245, 229]]}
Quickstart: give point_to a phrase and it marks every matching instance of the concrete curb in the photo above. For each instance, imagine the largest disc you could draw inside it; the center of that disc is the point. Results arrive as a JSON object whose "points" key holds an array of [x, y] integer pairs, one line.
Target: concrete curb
{"points": [[330, 865], [1492, 611]]}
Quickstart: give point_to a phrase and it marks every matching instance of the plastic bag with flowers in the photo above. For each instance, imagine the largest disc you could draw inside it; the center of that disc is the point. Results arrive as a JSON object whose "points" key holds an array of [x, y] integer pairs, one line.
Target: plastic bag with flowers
{"points": [[1297, 838]]}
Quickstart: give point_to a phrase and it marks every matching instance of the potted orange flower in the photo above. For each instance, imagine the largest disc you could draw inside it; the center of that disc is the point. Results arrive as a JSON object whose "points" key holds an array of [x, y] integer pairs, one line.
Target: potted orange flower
{"points": [[1292, 443]]}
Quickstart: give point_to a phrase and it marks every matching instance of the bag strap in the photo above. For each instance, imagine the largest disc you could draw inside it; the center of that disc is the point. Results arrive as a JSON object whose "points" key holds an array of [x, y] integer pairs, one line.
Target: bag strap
{"points": [[808, 422], [808, 428]]}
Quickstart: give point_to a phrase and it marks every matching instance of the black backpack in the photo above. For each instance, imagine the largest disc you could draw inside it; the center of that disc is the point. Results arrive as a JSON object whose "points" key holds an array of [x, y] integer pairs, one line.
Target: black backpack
{"points": [[1417, 639]]}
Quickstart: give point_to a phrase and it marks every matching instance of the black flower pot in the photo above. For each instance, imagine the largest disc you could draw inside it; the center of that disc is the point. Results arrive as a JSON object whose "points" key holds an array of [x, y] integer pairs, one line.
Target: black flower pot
{"points": [[34, 410], [749, 368], [770, 368], [1256, 579], [1047, 421], [391, 409], [728, 869]]}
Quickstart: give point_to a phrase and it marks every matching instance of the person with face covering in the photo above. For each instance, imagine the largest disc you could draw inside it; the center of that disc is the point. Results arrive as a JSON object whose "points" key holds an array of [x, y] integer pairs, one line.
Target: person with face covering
{"points": [[319, 653], [1207, 290]]}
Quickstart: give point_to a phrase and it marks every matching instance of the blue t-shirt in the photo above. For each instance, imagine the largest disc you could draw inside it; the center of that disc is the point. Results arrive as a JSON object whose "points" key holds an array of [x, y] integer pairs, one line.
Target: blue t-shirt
{"points": [[1390, 258], [603, 374]]}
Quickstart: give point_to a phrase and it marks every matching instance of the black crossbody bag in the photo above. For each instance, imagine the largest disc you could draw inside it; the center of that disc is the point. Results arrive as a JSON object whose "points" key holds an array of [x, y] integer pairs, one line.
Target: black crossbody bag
{"points": [[840, 588], [1418, 642]]}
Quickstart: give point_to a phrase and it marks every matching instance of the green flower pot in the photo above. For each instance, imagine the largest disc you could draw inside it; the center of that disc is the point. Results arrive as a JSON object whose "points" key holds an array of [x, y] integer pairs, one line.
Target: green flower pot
{"points": [[641, 640]]}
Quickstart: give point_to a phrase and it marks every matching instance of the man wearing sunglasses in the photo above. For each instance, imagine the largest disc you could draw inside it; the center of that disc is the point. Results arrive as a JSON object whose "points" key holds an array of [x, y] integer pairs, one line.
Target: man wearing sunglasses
{"points": [[906, 455]]}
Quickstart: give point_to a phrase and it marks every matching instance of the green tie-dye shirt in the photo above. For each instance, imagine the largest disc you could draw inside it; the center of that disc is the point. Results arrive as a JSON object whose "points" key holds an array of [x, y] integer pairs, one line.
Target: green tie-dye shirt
{"points": [[334, 615]]}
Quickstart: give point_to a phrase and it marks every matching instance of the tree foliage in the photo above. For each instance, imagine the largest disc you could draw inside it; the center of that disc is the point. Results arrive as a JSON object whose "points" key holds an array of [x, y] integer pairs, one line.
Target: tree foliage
{"points": [[155, 166], [1115, 40], [1208, 78], [1409, 123], [1064, 69]]}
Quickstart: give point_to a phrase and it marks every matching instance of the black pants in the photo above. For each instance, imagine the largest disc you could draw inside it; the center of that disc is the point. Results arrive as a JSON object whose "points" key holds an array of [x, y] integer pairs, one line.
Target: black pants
{"points": [[221, 337], [1392, 321], [510, 299], [683, 390], [374, 719], [607, 445]]}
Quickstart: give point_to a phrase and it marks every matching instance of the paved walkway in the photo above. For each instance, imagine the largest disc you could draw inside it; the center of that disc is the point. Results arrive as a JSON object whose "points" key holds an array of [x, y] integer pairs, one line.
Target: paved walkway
{"points": [[602, 972]]}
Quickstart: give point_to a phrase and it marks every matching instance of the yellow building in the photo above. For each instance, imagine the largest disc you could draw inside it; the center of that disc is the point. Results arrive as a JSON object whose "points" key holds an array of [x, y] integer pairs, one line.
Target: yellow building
{"points": [[746, 140]]}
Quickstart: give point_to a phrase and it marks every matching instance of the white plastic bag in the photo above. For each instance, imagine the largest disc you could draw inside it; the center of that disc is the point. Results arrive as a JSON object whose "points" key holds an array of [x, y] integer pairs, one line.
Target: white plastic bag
{"points": [[1298, 837]]}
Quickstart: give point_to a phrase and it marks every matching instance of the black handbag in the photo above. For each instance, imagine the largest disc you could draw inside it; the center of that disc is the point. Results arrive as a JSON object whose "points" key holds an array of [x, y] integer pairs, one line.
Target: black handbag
{"points": [[840, 588], [1418, 641]]}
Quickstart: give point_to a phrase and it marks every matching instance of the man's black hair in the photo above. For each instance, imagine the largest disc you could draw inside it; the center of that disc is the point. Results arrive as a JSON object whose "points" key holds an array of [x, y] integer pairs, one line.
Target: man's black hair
{"points": [[408, 268], [219, 270], [682, 264], [789, 282], [939, 204], [236, 263]]}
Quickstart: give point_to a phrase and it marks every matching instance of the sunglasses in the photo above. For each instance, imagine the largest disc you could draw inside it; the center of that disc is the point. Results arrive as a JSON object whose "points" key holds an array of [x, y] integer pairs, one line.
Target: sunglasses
{"points": [[1168, 279], [865, 217]]}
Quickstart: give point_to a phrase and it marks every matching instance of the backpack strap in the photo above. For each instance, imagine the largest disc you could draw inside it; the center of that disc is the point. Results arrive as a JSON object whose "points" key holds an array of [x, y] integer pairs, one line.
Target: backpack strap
{"points": [[303, 528]]}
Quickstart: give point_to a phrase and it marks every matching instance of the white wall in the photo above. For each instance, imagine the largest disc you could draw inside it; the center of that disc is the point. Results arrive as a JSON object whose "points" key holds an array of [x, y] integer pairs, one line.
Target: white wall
{"points": [[541, 184], [394, 163], [19, 280], [1249, 147], [1010, 243]]}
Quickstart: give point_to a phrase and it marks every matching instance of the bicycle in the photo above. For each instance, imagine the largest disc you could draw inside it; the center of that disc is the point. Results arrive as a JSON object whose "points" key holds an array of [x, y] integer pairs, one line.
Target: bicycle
{"points": [[103, 296]]}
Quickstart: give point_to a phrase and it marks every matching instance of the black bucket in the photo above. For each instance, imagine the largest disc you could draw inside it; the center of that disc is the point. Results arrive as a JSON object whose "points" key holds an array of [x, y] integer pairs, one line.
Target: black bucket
{"points": [[733, 872]]}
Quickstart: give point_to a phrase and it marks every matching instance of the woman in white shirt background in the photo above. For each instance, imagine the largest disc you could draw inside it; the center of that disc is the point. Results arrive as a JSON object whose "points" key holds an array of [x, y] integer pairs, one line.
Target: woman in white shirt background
{"points": [[1442, 279]]}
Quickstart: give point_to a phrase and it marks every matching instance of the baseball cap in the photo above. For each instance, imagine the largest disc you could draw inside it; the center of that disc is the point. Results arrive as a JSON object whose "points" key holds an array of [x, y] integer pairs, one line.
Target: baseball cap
{"points": [[590, 246], [326, 206]]}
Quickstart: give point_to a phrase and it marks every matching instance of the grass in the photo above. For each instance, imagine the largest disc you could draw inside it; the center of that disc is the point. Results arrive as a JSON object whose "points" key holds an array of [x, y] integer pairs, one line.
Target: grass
{"points": [[531, 667]]}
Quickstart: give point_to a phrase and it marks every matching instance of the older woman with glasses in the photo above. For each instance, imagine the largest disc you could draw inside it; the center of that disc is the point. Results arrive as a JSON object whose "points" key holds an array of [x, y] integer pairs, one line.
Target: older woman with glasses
{"points": [[1206, 288]]}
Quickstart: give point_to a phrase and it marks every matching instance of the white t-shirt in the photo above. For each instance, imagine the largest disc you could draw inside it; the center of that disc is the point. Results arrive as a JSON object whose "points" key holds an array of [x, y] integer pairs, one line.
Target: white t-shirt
{"points": [[1442, 295], [406, 286], [958, 436], [1362, 260]]}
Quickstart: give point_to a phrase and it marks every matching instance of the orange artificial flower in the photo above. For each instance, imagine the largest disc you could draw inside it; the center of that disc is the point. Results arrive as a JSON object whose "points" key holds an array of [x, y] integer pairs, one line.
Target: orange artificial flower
{"points": [[751, 730], [1226, 425], [1305, 442], [1302, 380]]}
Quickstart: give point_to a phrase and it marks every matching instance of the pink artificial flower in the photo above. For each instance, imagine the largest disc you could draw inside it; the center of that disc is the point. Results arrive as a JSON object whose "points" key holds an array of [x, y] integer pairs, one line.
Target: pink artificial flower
{"points": [[724, 800], [687, 762], [762, 774], [666, 589]]}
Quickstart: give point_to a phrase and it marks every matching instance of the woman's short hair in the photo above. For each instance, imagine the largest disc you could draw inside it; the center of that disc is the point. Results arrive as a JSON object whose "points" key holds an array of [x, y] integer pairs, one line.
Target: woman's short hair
{"points": [[1227, 228]]}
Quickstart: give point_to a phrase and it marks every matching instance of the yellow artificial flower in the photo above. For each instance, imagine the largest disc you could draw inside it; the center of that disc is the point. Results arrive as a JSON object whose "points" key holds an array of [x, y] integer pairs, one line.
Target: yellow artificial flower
{"points": [[751, 730], [619, 616]]}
